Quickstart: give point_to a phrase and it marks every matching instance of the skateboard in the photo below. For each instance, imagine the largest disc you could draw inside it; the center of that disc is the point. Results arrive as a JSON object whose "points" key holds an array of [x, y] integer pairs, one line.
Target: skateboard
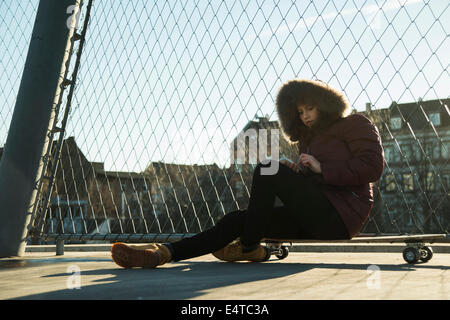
{"points": [[415, 250]]}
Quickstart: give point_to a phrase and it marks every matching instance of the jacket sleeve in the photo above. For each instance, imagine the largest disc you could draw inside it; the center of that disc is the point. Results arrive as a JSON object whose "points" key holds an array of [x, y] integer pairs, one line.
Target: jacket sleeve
{"points": [[366, 163]]}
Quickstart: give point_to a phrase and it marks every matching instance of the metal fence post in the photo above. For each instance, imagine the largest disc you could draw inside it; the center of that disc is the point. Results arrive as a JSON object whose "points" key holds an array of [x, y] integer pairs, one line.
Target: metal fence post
{"points": [[34, 115], [59, 247]]}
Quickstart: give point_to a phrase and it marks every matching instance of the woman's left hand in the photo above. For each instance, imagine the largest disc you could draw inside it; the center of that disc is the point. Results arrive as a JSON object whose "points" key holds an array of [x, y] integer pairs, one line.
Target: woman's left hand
{"points": [[309, 161]]}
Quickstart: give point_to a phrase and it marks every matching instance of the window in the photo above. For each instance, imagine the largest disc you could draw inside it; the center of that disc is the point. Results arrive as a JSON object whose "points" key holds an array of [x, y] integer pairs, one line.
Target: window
{"points": [[68, 215], [390, 182], [239, 189], [445, 149], [408, 182], [432, 149], [428, 147], [407, 152], [430, 181], [417, 152], [396, 123], [397, 156], [388, 153], [446, 179], [436, 150], [435, 118]]}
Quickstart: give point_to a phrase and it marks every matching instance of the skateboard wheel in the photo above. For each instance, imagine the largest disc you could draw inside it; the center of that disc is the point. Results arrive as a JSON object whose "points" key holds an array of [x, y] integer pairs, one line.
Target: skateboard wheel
{"points": [[411, 255], [426, 253], [284, 251]]}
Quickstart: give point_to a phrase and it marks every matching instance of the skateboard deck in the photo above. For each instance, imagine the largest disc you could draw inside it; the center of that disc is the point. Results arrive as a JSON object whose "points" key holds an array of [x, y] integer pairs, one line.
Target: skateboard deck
{"points": [[415, 251], [390, 239]]}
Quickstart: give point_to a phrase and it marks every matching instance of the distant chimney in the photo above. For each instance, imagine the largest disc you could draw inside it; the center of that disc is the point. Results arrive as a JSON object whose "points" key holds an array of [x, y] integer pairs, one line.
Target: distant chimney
{"points": [[368, 107]]}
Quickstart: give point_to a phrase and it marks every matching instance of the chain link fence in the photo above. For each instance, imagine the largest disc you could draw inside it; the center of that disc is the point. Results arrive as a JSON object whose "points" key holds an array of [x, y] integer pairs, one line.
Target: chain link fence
{"points": [[165, 88]]}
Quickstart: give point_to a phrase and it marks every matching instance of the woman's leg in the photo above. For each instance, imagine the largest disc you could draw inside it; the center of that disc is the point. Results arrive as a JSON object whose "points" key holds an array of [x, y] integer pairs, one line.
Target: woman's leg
{"points": [[307, 212], [225, 231], [232, 225]]}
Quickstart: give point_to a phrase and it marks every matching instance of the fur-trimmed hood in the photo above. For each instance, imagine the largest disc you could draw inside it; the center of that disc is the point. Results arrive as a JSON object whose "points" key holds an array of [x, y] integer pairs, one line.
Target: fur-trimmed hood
{"points": [[331, 103]]}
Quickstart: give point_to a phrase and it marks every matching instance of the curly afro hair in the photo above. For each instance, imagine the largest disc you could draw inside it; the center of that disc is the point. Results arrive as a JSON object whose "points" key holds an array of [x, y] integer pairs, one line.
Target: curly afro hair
{"points": [[332, 105]]}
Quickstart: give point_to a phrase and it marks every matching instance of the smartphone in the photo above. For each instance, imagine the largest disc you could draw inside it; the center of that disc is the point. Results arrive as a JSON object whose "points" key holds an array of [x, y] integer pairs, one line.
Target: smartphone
{"points": [[286, 159]]}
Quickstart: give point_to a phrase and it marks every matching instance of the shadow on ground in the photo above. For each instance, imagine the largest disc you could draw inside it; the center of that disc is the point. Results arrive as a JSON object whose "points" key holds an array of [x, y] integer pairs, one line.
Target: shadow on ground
{"points": [[189, 279]]}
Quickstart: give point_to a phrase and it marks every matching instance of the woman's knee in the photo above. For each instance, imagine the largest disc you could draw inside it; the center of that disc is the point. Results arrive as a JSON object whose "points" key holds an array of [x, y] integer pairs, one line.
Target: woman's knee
{"points": [[234, 217]]}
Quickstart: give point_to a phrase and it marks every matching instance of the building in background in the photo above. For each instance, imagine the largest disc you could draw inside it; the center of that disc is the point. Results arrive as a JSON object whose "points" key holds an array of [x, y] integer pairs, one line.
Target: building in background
{"points": [[413, 194]]}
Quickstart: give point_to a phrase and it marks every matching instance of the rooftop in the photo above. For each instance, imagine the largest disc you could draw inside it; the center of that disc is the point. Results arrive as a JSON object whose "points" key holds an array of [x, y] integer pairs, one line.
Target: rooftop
{"points": [[315, 275]]}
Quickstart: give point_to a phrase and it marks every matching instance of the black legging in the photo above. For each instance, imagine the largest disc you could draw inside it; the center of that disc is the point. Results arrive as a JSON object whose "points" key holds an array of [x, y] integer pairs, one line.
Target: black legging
{"points": [[306, 214]]}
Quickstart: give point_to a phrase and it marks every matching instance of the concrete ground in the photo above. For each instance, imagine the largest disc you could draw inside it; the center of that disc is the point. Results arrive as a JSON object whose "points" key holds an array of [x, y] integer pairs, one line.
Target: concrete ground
{"points": [[91, 275]]}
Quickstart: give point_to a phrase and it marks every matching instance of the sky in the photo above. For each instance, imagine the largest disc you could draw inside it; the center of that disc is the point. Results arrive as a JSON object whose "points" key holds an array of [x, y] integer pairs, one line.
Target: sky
{"points": [[176, 81]]}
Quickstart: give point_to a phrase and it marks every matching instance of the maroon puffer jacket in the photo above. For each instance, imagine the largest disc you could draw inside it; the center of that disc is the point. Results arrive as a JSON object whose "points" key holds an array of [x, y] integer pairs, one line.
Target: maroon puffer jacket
{"points": [[351, 158]]}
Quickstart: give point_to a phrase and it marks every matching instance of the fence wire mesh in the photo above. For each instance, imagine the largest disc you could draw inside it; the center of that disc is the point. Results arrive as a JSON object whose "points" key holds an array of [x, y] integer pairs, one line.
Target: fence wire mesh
{"points": [[165, 88]]}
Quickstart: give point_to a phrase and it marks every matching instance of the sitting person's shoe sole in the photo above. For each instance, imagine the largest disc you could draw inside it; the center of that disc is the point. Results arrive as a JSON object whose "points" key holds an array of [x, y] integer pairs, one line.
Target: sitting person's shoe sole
{"points": [[129, 257]]}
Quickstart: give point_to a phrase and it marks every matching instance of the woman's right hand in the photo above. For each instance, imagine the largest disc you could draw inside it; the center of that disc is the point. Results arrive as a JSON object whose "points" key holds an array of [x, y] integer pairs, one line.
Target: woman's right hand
{"points": [[290, 164]]}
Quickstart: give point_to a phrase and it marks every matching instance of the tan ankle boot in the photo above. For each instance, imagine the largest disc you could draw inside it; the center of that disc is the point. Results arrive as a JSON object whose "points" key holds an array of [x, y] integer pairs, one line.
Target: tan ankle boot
{"points": [[128, 256], [233, 252], [164, 254]]}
